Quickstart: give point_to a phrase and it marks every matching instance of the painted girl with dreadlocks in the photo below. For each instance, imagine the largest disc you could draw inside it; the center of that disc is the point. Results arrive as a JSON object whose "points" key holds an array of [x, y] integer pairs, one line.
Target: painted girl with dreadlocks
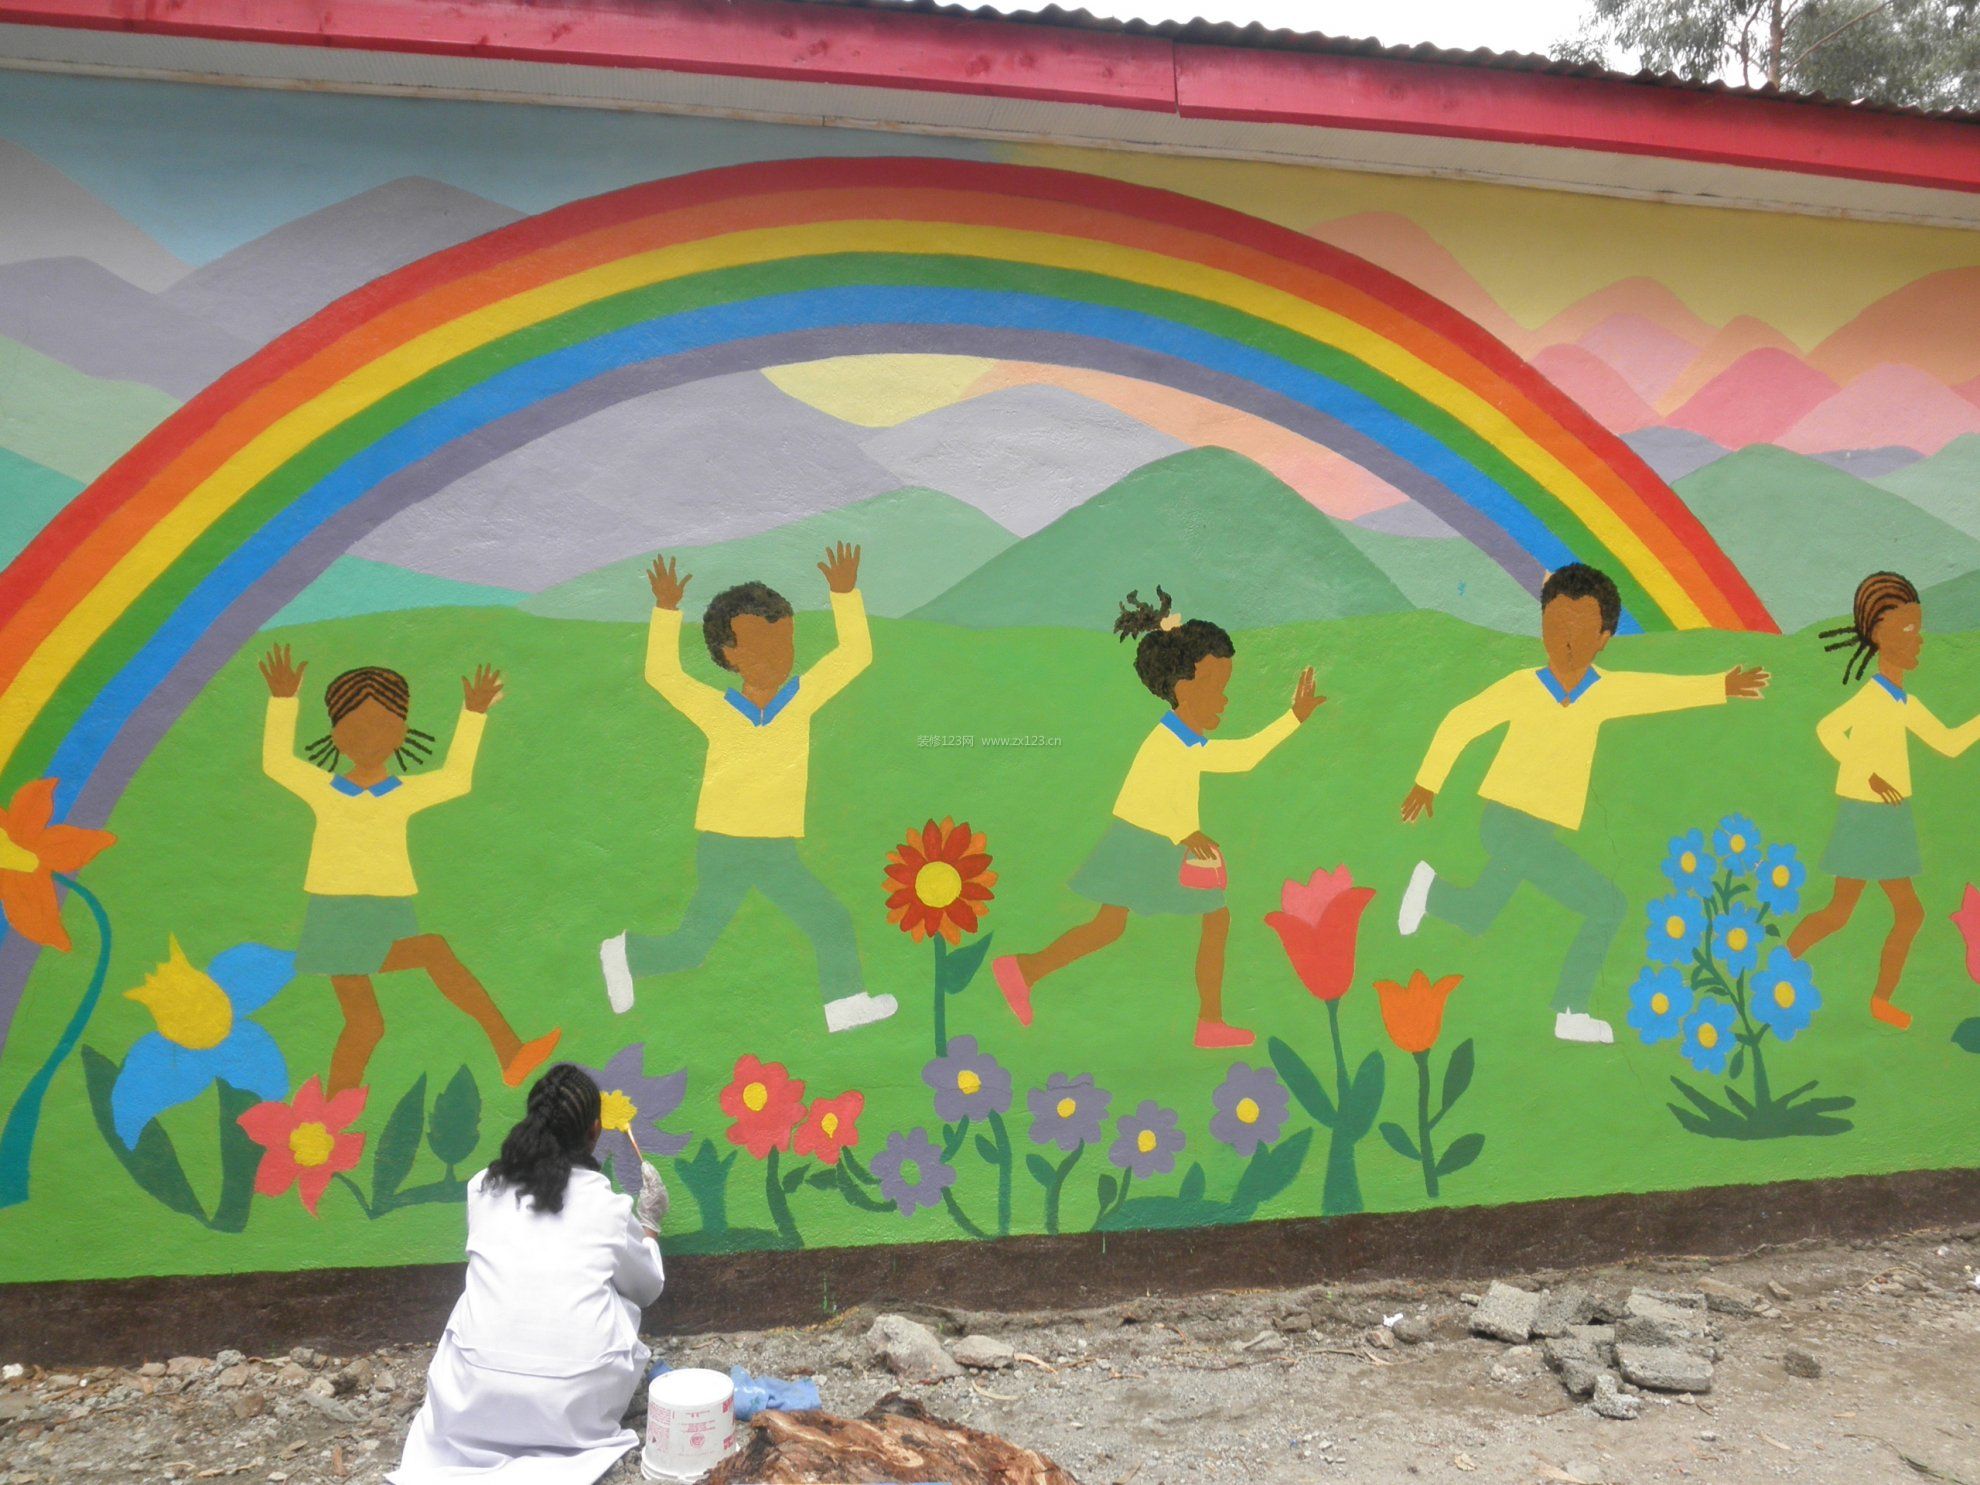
{"points": [[360, 883], [1875, 838]]}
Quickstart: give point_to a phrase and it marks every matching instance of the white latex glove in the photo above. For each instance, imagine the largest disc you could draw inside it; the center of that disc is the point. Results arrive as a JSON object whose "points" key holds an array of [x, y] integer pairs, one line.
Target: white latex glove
{"points": [[653, 1199]]}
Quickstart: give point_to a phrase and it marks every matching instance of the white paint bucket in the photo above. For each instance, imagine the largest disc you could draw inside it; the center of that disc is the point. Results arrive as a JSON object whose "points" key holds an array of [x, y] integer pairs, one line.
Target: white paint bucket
{"points": [[690, 1424]]}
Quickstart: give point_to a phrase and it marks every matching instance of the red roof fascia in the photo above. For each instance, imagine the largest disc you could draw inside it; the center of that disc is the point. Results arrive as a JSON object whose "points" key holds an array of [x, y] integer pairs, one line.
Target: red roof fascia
{"points": [[1013, 59]]}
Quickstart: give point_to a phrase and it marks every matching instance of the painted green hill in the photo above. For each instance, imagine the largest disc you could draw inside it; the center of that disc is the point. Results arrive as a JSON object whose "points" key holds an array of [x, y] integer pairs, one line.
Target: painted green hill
{"points": [[1805, 534], [71, 423], [1450, 575], [915, 544], [1226, 538], [30, 494], [352, 585], [1947, 485], [1952, 605]]}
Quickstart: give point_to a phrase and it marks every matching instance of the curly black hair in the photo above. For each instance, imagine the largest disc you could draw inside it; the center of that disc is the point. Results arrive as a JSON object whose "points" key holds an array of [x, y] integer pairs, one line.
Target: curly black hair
{"points": [[1578, 580], [552, 1138], [718, 624], [1168, 655]]}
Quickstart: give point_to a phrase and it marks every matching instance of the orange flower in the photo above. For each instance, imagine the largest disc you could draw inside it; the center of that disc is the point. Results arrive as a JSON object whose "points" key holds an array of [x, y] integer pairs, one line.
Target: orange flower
{"points": [[1414, 1013], [938, 881], [830, 1127], [31, 851]]}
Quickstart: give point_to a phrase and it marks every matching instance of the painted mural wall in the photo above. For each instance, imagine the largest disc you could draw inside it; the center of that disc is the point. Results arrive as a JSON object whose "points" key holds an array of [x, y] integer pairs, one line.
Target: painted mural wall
{"points": [[1000, 691]]}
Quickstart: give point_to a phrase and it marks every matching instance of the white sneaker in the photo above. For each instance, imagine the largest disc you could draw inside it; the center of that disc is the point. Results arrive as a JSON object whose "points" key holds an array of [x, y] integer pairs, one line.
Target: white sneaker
{"points": [[1579, 1026], [1415, 899], [862, 1009], [618, 974]]}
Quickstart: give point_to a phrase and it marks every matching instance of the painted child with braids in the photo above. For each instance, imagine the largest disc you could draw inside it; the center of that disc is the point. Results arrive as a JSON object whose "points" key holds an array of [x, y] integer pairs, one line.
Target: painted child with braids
{"points": [[1876, 839], [360, 883], [1155, 858]]}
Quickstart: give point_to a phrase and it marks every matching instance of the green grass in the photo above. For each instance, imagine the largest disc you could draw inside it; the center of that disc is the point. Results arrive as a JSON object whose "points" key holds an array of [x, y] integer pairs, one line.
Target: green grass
{"points": [[581, 822]]}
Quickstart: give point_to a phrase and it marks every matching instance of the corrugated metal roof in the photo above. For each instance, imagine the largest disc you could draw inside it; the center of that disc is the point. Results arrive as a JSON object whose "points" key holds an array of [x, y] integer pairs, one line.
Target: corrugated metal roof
{"points": [[1203, 32]]}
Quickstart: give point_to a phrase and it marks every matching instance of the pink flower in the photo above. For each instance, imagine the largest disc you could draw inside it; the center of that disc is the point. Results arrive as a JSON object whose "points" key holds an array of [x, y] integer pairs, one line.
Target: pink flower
{"points": [[1968, 919], [1318, 925], [307, 1142]]}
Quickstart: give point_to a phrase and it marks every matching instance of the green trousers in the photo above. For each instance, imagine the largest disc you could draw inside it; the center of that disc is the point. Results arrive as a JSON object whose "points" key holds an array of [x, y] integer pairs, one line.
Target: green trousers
{"points": [[1520, 848], [726, 868]]}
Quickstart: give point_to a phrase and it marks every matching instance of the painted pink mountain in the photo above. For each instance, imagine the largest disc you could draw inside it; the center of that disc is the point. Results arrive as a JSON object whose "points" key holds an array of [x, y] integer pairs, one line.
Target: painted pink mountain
{"points": [[1740, 336], [1934, 320], [1892, 406], [1600, 390], [1642, 353], [1643, 298], [1756, 400], [1406, 250], [1970, 391]]}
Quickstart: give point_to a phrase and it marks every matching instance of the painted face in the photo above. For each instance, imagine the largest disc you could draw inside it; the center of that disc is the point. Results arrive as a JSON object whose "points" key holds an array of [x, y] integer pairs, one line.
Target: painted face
{"points": [[1900, 635], [370, 735], [762, 654], [1571, 629], [1200, 700]]}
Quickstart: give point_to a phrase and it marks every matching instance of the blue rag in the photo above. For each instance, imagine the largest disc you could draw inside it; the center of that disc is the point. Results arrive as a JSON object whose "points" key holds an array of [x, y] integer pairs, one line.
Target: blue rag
{"points": [[757, 1394]]}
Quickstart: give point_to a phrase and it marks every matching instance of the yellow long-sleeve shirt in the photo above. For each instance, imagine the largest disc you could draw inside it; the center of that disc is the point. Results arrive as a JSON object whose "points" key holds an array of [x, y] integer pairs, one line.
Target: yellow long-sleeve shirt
{"points": [[1165, 781], [360, 847], [759, 760], [1544, 763], [1866, 735]]}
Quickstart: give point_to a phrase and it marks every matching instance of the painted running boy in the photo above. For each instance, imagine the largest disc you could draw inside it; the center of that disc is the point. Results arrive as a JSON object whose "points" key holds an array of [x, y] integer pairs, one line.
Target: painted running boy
{"points": [[751, 813], [1155, 859], [1537, 786], [361, 888]]}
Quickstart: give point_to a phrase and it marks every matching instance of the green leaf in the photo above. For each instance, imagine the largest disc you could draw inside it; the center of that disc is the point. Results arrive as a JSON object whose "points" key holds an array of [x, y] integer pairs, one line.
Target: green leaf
{"points": [[1364, 1100], [240, 1158], [1192, 1184], [952, 1138], [987, 1148], [1108, 1186], [456, 1125], [1706, 1106], [955, 969], [1271, 1169], [154, 1164], [1966, 1035], [1040, 1168], [1457, 1074], [1167, 1213], [825, 1176], [398, 1144], [1737, 1066], [1463, 1150], [1400, 1142], [792, 1179], [1300, 1081], [1738, 1100]]}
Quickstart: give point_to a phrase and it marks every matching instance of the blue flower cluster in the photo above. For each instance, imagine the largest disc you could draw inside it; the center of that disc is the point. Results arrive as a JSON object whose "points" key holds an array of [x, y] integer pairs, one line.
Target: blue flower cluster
{"points": [[1718, 974]]}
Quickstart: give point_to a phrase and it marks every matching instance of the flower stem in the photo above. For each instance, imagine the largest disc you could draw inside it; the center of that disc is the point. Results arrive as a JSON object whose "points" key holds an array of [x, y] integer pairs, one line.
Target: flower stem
{"points": [[17, 1139], [1423, 1124], [959, 1216], [780, 1207], [1341, 1191], [1057, 1189], [356, 1194], [941, 1000], [1005, 1157]]}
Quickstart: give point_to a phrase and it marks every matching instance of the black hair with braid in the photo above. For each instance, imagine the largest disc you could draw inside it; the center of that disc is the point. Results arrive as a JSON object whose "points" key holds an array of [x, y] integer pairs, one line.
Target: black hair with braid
{"points": [[352, 690], [1876, 596], [718, 621], [553, 1138], [1168, 655]]}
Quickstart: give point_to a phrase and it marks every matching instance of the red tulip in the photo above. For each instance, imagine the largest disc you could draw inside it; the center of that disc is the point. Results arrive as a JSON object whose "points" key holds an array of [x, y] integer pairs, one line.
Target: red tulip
{"points": [[1318, 926]]}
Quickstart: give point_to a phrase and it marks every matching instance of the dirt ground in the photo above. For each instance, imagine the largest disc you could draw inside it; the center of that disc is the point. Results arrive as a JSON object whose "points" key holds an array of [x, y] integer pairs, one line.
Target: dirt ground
{"points": [[1286, 1386]]}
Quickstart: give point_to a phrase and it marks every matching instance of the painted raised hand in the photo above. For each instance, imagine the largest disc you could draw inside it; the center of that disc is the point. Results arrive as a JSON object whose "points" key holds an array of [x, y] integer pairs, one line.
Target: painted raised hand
{"points": [[1746, 685], [841, 567], [668, 583], [481, 690], [280, 670], [1305, 701]]}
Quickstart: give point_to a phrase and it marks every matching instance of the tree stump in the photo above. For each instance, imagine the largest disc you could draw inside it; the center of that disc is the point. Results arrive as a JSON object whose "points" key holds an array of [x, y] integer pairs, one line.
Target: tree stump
{"points": [[897, 1441]]}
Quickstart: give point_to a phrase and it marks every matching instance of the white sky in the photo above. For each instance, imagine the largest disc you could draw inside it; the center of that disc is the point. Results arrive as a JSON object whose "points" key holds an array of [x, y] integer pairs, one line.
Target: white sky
{"points": [[1502, 25]]}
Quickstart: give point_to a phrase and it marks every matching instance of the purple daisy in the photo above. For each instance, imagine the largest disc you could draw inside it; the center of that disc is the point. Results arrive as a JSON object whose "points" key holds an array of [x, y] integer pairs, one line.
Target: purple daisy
{"points": [[1147, 1141], [652, 1100], [1067, 1111], [967, 1084], [911, 1171], [1251, 1108]]}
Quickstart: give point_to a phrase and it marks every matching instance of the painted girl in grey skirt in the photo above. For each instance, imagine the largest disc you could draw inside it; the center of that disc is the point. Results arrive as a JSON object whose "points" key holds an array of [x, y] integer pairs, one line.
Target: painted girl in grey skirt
{"points": [[1155, 858], [360, 921], [1876, 839]]}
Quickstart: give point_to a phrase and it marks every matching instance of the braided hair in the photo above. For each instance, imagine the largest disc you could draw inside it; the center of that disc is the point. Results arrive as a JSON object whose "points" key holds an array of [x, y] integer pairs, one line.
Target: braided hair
{"points": [[552, 1138], [1876, 596], [352, 690], [1170, 647]]}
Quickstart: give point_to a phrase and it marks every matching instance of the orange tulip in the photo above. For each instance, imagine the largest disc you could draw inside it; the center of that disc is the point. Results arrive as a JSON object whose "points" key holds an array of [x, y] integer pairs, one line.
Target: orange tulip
{"points": [[1414, 1013], [32, 851]]}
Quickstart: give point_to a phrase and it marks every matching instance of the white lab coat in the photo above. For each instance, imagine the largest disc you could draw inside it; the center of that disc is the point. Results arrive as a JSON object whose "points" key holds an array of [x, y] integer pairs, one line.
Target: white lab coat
{"points": [[542, 1355]]}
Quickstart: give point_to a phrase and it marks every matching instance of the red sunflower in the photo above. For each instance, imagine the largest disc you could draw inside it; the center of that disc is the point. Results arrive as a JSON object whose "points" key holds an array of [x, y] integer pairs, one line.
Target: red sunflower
{"points": [[766, 1102], [32, 850], [831, 1127], [938, 881]]}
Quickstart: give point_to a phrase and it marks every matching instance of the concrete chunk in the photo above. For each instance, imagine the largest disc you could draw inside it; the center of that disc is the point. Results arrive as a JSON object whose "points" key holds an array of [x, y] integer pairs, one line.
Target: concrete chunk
{"points": [[1664, 1368], [1655, 1320], [984, 1353], [1561, 1308], [910, 1350], [1610, 1401], [1506, 1314], [1730, 1299]]}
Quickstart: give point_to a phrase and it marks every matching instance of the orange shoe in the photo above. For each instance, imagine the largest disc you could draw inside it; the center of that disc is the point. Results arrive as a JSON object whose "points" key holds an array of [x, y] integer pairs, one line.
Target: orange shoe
{"points": [[1218, 1036], [1017, 994], [1890, 1015], [529, 1057]]}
